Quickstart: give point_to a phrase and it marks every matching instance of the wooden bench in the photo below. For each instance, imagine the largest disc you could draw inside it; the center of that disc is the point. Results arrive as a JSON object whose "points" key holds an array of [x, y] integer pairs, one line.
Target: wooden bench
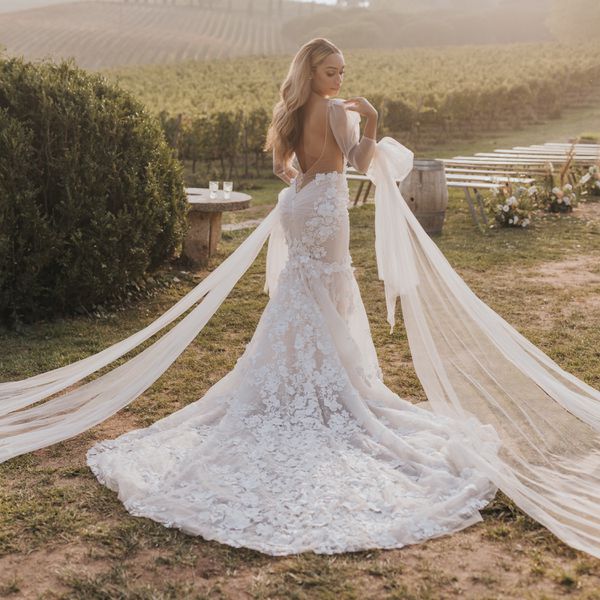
{"points": [[525, 168], [518, 165], [491, 170], [534, 158], [519, 150]]}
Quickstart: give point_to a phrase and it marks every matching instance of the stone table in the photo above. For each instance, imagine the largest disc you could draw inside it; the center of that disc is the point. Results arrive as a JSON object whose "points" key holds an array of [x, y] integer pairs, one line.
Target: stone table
{"points": [[204, 218]]}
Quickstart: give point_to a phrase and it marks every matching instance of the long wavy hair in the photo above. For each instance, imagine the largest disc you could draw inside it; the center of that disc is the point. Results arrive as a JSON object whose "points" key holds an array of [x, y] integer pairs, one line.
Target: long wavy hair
{"points": [[285, 127]]}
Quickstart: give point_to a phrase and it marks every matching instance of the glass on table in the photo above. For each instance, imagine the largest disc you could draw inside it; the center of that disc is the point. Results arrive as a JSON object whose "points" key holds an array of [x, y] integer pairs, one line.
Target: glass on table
{"points": [[227, 189], [213, 188]]}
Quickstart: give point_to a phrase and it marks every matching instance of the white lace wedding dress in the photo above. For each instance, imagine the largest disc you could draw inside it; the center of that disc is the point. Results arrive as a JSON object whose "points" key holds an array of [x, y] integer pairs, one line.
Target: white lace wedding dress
{"points": [[302, 446]]}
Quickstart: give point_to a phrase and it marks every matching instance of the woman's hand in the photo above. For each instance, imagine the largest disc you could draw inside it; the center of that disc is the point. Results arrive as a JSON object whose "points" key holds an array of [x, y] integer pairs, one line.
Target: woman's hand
{"points": [[362, 106]]}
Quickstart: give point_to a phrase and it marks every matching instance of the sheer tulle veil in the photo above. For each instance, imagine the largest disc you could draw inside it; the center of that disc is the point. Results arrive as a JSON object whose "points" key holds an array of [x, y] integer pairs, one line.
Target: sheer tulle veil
{"points": [[471, 364]]}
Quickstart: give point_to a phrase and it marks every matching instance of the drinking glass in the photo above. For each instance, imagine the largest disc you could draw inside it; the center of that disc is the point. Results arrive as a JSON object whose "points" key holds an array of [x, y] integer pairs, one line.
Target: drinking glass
{"points": [[227, 188], [213, 187]]}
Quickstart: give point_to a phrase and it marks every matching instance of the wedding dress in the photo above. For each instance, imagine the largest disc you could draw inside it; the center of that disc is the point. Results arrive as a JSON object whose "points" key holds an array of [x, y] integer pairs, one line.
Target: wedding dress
{"points": [[301, 446]]}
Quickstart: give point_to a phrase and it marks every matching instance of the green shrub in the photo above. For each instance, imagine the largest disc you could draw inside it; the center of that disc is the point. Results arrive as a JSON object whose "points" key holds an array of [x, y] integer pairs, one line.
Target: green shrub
{"points": [[91, 197]]}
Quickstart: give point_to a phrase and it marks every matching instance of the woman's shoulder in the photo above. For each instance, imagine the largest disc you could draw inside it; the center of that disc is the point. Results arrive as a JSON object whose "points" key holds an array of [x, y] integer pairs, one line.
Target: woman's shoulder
{"points": [[344, 115], [338, 105]]}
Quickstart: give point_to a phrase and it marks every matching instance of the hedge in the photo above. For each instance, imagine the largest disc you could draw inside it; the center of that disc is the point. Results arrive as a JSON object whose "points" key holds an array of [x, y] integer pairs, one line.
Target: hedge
{"points": [[91, 196]]}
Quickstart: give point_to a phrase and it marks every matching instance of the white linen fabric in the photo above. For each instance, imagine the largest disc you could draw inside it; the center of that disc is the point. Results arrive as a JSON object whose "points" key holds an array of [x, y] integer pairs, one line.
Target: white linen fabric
{"points": [[301, 446]]}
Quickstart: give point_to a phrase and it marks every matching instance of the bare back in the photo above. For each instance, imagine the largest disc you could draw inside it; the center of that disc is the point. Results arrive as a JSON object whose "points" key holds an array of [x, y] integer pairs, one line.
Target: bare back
{"points": [[317, 150], [330, 135]]}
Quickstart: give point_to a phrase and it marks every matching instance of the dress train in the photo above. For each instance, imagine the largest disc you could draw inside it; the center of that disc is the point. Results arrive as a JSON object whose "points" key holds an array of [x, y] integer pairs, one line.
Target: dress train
{"points": [[302, 446]]}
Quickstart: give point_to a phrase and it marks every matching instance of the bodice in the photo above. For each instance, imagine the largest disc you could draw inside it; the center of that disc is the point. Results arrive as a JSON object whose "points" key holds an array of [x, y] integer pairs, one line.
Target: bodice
{"points": [[315, 222]]}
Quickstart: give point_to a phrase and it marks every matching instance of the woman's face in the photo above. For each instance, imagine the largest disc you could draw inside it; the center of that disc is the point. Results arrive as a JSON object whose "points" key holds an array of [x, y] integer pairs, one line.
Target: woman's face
{"points": [[328, 76]]}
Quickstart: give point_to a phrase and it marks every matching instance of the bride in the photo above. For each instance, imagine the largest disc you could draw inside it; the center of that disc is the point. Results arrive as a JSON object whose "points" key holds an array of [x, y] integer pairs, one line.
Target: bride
{"points": [[302, 446]]}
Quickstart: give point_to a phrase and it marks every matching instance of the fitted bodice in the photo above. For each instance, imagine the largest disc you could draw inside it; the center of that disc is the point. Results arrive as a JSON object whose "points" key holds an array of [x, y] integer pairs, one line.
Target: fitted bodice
{"points": [[315, 220]]}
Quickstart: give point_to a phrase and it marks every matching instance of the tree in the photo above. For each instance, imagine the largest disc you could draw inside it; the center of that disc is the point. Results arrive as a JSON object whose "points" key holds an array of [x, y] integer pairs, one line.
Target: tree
{"points": [[91, 196]]}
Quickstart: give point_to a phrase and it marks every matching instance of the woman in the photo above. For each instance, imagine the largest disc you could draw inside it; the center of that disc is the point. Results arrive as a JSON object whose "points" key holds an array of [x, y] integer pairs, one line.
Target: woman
{"points": [[302, 446]]}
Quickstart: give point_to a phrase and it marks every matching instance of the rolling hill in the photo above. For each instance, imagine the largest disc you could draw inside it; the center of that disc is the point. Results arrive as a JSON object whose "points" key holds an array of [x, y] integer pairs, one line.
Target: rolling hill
{"points": [[102, 34], [115, 33]]}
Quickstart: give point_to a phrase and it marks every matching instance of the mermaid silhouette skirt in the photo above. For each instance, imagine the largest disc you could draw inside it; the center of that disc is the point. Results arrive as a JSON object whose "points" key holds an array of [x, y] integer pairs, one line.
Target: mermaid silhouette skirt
{"points": [[301, 446]]}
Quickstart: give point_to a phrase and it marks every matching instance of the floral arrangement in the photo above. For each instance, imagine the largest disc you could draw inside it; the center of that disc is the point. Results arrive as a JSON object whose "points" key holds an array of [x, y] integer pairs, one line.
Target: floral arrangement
{"points": [[561, 199], [590, 182], [514, 205], [558, 197]]}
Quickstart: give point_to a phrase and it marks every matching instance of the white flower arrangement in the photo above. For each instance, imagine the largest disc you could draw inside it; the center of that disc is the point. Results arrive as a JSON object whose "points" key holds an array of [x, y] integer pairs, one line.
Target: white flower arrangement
{"points": [[561, 199], [556, 194], [514, 206]]}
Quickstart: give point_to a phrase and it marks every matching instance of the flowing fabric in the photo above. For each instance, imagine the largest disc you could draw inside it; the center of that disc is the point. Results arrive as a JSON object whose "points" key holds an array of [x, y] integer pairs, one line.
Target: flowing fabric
{"points": [[471, 362], [302, 446], [24, 427]]}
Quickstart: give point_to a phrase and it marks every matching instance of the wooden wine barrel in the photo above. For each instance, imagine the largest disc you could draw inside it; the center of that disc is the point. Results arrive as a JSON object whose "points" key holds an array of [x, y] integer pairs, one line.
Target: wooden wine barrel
{"points": [[426, 193]]}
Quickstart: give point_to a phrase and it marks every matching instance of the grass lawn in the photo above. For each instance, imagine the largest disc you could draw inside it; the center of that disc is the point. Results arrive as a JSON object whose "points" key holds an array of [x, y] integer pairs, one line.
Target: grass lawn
{"points": [[63, 535]]}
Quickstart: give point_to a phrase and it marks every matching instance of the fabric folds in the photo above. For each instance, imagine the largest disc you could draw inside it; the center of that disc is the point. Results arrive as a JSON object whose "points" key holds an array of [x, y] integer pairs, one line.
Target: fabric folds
{"points": [[471, 362], [27, 424]]}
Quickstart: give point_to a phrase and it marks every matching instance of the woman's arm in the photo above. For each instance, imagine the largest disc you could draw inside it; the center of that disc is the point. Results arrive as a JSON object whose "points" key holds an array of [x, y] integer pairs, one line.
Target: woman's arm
{"points": [[284, 171], [370, 129], [361, 154]]}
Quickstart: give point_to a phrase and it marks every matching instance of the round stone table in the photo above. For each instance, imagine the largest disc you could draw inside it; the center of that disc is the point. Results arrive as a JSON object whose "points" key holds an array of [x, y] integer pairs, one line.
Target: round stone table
{"points": [[204, 218]]}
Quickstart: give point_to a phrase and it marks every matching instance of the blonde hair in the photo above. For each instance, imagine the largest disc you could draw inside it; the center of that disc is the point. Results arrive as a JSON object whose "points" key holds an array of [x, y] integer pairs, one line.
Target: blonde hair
{"points": [[285, 127]]}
